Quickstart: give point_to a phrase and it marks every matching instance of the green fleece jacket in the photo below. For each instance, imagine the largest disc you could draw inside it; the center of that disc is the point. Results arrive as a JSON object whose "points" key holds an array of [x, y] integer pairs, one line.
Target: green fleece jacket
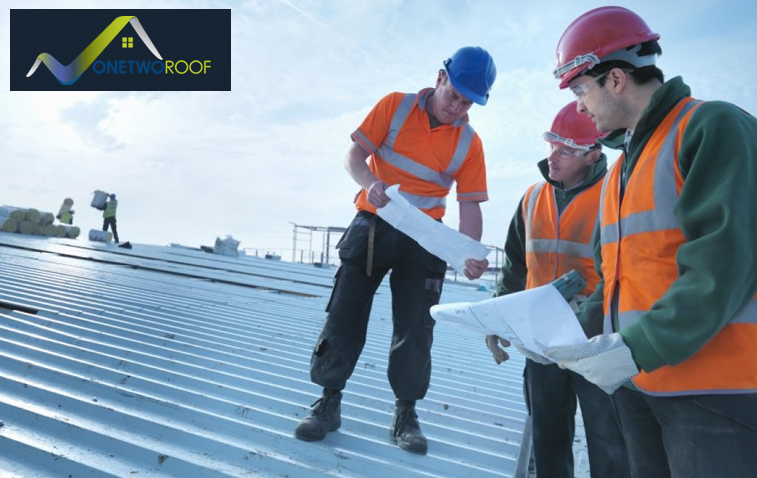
{"points": [[514, 271], [717, 213]]}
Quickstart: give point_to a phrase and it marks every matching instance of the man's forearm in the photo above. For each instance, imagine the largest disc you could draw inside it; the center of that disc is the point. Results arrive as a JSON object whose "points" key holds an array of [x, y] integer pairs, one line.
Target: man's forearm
{"points": [[471, 220], [354, 163]]}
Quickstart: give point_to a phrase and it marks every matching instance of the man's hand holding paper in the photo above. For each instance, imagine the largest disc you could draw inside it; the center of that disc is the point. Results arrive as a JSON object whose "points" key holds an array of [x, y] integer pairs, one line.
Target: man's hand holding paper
{"points": [[464, 254]]}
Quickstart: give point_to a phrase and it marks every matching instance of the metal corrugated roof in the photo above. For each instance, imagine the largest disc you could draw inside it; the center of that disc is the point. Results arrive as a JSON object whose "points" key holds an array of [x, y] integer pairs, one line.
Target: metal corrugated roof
{"points": [[172, 362]]}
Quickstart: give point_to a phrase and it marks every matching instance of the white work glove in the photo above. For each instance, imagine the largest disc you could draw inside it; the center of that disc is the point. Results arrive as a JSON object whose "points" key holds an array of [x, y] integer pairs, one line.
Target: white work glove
{"points": [[532, 355], [605, 361], [492, 343]]}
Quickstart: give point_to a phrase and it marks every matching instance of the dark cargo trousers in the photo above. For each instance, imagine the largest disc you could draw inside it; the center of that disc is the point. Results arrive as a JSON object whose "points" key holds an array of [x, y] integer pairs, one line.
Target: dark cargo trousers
{"points": [[416, 283], [551, 394]]}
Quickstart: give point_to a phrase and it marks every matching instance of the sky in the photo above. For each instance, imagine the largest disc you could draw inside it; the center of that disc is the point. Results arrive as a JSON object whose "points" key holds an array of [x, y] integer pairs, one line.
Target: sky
{"points": [[189, 167]]}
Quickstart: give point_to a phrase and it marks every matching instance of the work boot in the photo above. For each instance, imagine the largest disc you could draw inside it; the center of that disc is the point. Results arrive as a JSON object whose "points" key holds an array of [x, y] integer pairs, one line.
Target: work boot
{"points": [[405, 430], [325, 416]]}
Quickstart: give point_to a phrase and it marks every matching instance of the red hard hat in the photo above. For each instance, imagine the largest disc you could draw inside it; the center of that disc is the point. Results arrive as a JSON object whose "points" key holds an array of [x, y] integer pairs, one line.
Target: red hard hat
{"points": [[573, 129], [595, 35]]}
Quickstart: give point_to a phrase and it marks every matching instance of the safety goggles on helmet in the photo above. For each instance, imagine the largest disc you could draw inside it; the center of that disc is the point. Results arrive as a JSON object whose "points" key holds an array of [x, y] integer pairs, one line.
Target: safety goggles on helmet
{"points": [[580, 60], [628, 55], [566, 152], [555, 140]]}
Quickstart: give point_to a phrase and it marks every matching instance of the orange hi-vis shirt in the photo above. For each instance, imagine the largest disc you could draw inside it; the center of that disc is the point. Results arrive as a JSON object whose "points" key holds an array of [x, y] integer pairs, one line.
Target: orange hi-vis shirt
{"points": [[423, 161]]}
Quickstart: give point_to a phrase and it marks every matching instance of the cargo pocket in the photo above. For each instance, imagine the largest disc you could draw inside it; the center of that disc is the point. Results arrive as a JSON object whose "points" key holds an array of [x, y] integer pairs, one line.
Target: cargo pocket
{"points": [[334, 288], [353, 246]]}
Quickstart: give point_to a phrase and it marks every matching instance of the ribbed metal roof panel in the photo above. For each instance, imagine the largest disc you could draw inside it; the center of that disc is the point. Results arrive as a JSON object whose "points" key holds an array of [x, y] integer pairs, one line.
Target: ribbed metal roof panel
{"points": [[171, 362]]}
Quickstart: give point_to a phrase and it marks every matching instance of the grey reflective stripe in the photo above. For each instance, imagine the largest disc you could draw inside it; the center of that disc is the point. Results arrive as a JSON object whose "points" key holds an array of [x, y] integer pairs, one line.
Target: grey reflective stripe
{"points": [[747, 315], [364, 141], [629, 318], [528, 209], [424, 202], [575, 249], [609, 233], [471, 195], [398, 119], [461, 151], [607, 325], [416, 169], [662, 217], [387, 153], [531, 205]]}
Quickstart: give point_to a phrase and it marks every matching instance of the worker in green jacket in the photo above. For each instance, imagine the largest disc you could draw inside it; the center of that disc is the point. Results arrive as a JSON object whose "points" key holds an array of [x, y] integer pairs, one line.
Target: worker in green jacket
{"points": [[109, 216], [676, 252], [550, 235]]}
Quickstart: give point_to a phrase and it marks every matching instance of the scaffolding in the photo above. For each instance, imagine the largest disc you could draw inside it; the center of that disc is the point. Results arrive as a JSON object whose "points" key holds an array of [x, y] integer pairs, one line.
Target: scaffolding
{"points": [[303, 233]]}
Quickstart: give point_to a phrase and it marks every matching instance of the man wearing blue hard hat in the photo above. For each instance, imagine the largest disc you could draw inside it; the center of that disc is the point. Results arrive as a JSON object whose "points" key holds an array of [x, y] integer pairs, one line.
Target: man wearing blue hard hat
{"points": [[424, 143]]}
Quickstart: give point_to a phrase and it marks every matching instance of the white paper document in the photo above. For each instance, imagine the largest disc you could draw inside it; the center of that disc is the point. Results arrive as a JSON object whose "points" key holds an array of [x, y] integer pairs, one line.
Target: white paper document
{"points": [[445, 243], [537, 318]]}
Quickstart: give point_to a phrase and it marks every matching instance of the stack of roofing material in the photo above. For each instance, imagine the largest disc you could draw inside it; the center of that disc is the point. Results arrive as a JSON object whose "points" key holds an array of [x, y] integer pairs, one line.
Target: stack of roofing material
{"points": [[31, 221]]}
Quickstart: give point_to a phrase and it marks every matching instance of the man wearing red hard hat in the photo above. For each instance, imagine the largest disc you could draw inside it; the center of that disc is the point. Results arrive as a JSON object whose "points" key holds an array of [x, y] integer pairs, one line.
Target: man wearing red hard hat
{"points": [[676, 253], [550, 235]]}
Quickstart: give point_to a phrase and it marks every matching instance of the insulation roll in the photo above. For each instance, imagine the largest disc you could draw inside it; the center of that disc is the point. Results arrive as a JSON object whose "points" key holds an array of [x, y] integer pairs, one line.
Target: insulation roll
{"points": [[33, 215], [72, 231], [46, 218], [16, 213], [8, 224], [25, 227], [100, 236]]}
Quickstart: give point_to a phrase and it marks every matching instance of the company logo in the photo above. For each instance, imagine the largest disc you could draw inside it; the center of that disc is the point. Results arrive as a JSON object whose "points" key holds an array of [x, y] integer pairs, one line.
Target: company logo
{"points": [[198, 43], [69, 74]]}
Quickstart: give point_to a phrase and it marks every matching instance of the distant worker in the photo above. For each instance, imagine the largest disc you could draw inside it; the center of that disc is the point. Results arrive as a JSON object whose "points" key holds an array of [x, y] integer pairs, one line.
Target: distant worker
{"points": [[550, 234], [109, 216], [422, 142], [65, 213]]}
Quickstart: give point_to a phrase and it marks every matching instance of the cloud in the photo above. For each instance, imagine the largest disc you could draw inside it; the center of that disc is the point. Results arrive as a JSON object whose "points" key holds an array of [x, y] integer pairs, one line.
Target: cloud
{"points": [[190, 166]]}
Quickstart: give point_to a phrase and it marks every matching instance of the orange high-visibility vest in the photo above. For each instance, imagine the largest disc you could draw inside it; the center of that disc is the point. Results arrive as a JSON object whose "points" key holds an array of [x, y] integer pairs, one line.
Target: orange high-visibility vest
{"points": [[555, 244], [640, 239]]}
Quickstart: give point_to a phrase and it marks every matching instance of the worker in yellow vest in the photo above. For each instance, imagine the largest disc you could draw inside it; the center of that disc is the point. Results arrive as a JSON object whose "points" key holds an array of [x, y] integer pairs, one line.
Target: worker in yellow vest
{"points": [[109, 216], [551, 234], [65, 213], [677, 253]]}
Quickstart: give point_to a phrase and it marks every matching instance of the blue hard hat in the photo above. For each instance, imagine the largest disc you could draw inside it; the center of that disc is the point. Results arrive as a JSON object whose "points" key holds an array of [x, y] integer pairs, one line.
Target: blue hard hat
{"points": [[113, 196], [472, 72]]}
